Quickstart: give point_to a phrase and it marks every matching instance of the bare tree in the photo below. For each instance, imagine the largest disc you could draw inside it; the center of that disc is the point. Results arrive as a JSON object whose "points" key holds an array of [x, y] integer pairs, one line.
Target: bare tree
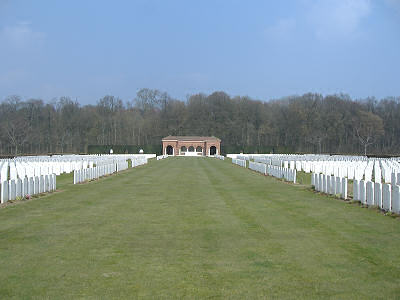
{"points": [[368, 128]]}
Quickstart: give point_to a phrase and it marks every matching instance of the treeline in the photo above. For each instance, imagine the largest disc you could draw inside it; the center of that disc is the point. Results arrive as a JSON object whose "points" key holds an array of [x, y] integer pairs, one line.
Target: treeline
{"points": [[310, 123]]}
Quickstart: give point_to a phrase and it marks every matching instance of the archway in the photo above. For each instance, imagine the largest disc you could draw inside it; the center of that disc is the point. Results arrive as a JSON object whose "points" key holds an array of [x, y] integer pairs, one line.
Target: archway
{"points": [[183, 149], [170, 150], [213, 150], [191, 149], [199, 149]]}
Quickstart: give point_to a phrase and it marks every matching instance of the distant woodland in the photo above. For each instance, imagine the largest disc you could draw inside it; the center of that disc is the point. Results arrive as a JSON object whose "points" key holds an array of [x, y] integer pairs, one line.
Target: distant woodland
{"points": [[310, 123]]}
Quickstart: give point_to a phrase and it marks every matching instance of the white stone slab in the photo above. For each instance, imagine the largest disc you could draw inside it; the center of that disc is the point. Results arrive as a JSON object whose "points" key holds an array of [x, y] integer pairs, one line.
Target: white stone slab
{"points": [[36, 186], [387, 197], [344, 188], [26, 186], [4, 192], [370, 193], [12, 190], [18, 188], [362, 191], [356, 190], [31, 186], [396, 199], [378, 194]]}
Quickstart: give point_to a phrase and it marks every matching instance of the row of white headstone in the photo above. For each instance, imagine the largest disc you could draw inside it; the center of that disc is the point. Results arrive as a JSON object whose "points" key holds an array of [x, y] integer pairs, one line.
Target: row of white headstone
{"points": [[352, 167], [332, 185], [103, 170], [28, 186], [93, 173], [258, 167], [221, 157], [139, 161], [29, 166], [239, 162], [122, 165], [384, 196], [280, 172]]}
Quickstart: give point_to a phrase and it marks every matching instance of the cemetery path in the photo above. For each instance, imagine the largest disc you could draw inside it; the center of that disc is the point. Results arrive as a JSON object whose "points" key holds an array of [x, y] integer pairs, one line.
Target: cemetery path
{"points": [[195, 228]]}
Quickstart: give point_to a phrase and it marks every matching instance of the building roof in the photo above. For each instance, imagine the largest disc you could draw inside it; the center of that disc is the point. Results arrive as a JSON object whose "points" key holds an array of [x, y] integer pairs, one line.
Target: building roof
{"points": [[190, 138]]}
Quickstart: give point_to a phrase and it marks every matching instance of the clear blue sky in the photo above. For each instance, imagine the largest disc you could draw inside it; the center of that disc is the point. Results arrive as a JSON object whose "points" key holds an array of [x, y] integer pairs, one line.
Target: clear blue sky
{"points": [[263, 49]]}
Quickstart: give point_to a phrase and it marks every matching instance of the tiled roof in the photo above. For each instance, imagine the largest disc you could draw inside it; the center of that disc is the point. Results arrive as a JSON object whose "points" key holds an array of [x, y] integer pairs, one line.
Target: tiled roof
{"points": [[191, 138]]}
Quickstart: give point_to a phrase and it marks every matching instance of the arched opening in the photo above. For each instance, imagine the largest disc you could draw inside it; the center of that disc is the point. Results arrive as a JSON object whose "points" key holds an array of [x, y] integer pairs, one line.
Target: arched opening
{"points": [[199, 149], [170, 150], [213, 150], [191, 149], [183, 149]]}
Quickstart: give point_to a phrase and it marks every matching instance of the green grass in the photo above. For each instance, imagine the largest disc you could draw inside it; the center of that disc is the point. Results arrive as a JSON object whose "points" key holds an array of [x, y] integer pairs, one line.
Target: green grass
{"points": [[195, 228], [303, 178]]}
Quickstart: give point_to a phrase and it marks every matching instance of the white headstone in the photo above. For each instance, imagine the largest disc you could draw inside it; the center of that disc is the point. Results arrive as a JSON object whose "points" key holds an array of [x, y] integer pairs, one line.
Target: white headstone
{"points": [[41, 184], [333, 185], [26, 186], [370, 193], [54, 182], [11, 189], [338, 185], [378, 194], [356, 190], [46, 183], [36, 186], [396, 198], [4, 192], [363, 196], [18, 190], [343, 185], [31, 186], [387, 197]]}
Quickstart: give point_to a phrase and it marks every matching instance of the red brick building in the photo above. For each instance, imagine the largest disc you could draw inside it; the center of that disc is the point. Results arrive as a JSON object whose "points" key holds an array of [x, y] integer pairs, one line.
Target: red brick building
{"points": [[191, 145]]}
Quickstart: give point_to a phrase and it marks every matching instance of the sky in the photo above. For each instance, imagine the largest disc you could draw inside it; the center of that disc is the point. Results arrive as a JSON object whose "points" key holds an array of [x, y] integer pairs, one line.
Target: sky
{"points": [[262, 49]]}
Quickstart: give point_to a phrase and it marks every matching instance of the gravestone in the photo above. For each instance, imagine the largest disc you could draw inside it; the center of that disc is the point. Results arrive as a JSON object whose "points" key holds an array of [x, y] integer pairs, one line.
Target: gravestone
{"points": [[321, 182], [338, 185], [18, 188], [46, 183], [387, 197], [41, 184], [396, 199], [378, 194], [325, 184], [362, 191], [54, 182], [370, 193], [12, 189], [26, 186], [344, 188], [328, 184], [4, 192], [31, 186], [356, 190], [36, 186], [333, 185], [51, 188]]}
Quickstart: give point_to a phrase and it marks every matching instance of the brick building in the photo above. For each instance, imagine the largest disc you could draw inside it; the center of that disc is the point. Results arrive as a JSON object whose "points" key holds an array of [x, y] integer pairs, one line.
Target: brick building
{"points": [[191, 145]]}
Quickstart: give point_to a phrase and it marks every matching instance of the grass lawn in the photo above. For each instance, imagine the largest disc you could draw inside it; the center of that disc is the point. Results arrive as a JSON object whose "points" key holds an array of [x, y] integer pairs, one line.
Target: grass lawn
{"points": [[195, 228]]}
